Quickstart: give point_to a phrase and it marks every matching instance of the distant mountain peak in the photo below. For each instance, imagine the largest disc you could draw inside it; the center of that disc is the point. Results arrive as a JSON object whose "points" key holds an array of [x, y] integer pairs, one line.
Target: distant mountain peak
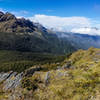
{"points": [[6, 17], [9, 23]]}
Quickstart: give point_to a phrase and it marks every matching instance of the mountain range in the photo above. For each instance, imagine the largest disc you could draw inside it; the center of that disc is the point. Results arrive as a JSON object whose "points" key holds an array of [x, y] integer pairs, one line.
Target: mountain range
{"points": [[80, 41], [21, 34]]}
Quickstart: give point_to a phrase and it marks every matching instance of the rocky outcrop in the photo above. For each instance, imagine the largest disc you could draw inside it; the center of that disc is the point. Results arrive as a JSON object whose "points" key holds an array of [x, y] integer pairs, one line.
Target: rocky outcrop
{"points": [[10, 80], [47, 77]]}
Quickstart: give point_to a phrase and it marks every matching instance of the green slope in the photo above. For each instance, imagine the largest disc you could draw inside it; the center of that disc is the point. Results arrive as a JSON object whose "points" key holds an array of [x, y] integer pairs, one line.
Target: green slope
{"points": [[80, 81], [19, 61]]}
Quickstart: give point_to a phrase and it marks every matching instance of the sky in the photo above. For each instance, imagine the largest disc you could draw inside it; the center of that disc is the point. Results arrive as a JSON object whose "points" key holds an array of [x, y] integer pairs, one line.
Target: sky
{"points": [[58, 14]]}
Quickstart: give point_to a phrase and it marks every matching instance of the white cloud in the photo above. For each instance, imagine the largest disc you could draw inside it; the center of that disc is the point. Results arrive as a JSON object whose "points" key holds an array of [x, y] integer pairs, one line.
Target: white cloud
{"points": [[61, 23], [3, 10], [80, 25], [90, 31]]}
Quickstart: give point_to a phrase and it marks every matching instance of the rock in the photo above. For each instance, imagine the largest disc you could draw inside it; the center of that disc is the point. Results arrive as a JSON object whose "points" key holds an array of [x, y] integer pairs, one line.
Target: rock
{"points": [[11, 80], [4, 76], [47, 77], [1, 14], [59, 67], [61, 74]]}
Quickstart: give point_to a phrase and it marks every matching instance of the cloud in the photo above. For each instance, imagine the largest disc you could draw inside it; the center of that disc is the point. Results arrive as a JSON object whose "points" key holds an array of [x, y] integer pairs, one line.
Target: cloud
{"points": [[61, 23], [90, 31], [80, 25], [3, 10]]}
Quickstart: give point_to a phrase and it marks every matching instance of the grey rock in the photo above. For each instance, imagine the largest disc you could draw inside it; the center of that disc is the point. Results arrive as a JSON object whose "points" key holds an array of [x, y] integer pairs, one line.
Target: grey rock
{"points": [[4, 76], [61, 74], [11, 80], [47, 77], [59, 67]]}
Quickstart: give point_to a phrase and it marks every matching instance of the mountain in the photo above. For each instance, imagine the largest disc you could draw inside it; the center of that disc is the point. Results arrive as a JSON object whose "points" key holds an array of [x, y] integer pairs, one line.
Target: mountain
{"points": [[81, 40], [23, 35]]}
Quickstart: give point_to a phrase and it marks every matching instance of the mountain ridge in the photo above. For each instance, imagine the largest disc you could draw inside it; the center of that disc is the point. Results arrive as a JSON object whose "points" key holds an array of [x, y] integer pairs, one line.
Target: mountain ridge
{"points": [[23, 35], [80, 41]]}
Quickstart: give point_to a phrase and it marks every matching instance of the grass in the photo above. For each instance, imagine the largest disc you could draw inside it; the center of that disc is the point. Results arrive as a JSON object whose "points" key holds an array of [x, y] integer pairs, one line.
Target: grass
{"points": [[20, 61], [79, 83]]}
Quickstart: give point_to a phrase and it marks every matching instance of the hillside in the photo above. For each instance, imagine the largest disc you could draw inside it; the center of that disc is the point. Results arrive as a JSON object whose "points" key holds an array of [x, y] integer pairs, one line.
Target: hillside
{"points": [[76, 78], [23, 35], [79, 40]]}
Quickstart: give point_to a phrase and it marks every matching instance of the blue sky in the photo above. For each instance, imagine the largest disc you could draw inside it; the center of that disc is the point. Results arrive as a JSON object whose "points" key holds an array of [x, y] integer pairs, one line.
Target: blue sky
{"points": [[59, 14], [87, 8]]}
